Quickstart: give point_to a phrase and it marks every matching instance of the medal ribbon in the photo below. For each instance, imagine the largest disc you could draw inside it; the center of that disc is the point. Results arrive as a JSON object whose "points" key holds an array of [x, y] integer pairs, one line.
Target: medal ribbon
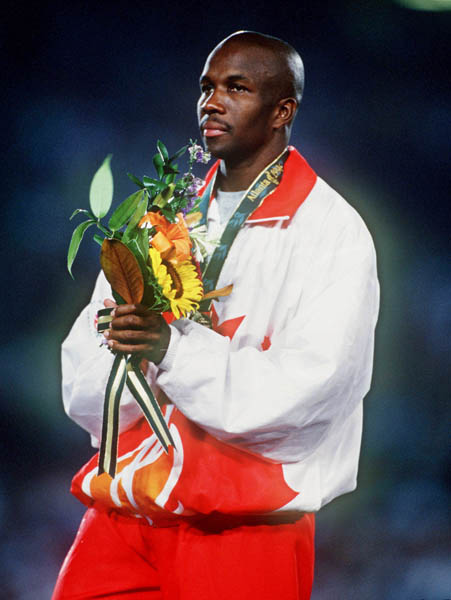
{"points": [[263, 185], [126, 370]]}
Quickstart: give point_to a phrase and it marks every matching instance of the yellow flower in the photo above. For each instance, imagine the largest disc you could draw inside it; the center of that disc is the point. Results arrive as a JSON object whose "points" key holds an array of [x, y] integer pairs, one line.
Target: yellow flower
{"points": [[160, 272], [180, 283]]}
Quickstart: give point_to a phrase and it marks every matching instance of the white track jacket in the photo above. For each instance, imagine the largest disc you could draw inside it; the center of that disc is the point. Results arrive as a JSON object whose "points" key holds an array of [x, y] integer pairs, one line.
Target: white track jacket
{"points": [[285, 372]]}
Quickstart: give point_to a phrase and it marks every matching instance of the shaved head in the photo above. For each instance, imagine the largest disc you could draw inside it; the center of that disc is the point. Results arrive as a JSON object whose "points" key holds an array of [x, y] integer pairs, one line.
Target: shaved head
{"points": [[282, 65]]}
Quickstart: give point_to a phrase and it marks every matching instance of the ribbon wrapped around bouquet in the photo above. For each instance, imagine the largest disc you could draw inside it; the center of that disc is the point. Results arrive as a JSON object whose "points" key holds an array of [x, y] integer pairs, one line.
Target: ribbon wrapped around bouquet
{"points": [[126, 371]]}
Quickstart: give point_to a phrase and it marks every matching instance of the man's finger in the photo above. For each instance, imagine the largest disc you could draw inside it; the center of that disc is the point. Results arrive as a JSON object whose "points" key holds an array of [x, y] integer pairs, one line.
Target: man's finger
{"points": [[155, 354], [124, 309], [127, 336], [145, 311], [115, 346], [135, 309], [134, 322], [108, 303]]}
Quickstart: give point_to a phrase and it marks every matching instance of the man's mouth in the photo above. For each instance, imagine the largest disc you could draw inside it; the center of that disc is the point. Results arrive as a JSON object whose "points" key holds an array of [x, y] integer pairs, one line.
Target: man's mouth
{"points": [[213, 132], [212, 129]]}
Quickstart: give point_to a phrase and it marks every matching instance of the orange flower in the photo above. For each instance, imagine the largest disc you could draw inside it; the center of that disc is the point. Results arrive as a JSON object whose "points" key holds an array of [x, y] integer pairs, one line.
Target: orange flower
{"points": [[171, 239]]}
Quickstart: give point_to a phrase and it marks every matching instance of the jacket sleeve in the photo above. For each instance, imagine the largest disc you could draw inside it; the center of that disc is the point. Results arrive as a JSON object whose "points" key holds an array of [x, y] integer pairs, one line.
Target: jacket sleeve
{"points": [[281, 403], [86, 367]]}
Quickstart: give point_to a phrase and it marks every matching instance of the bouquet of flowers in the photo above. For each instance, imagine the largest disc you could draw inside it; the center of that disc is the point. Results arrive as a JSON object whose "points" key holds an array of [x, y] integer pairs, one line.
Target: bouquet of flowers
{"points": [[150, 253]]}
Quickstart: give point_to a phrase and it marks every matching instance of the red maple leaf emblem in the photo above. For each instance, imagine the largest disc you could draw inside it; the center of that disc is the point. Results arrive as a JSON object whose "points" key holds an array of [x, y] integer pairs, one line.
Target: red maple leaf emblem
{"points": [[226, 328]]}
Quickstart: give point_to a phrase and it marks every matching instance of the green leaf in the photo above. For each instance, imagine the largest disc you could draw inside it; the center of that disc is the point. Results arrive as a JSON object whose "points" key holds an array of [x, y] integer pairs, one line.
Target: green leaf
{"points": [[168, 213], [104, 230], [75, 241], [163, 151], [149, 182], [135, 248], [178, 153], [169, 178], [117, 298], [125, 210], [98, 238], [80, 210], [101, 190], [142, 239], [158, 163], [170, 169], [164, 196], [135, 180], [132, 228]]}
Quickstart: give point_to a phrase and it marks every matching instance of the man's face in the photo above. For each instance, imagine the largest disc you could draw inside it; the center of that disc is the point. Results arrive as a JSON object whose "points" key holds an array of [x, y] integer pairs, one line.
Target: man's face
{"points": [[236, 107]]}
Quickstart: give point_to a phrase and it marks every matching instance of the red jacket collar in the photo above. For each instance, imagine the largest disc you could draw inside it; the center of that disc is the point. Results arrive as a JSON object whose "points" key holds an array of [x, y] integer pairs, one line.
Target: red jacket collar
{"points": [[296, 184]]}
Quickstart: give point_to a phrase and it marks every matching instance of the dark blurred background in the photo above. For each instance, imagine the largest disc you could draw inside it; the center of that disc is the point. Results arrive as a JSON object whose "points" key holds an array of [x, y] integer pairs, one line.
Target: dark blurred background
{"points": [[82, 79]]}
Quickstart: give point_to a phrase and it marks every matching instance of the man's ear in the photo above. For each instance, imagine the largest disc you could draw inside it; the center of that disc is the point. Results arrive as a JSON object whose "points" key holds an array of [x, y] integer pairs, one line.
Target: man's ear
{"points": [[285, 112]]}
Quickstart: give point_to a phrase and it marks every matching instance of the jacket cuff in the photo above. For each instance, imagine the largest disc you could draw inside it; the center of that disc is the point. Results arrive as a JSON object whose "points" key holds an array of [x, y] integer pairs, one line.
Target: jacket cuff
{"points": [[169, 358]]}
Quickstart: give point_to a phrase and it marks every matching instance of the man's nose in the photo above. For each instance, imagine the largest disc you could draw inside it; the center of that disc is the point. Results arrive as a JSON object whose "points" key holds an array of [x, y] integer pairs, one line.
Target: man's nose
{"points": [[213, 103]]}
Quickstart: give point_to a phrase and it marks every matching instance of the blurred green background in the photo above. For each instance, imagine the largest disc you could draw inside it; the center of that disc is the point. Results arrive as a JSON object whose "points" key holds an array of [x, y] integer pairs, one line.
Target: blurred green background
{"points": [[83, 79]]}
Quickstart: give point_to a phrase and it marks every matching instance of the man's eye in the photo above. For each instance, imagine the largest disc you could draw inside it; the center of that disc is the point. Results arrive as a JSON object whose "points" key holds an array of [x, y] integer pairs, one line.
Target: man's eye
{"points": [[236, 87], [206, 88]]}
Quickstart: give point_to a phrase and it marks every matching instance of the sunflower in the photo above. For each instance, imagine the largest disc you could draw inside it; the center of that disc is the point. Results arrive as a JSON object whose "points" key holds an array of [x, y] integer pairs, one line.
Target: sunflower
{"points": [[180, 283], [160, 272]]}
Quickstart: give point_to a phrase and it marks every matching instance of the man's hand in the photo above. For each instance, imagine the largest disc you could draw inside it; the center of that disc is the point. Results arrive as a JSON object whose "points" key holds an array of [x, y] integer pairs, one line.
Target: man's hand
{"points": [[137, 330]]}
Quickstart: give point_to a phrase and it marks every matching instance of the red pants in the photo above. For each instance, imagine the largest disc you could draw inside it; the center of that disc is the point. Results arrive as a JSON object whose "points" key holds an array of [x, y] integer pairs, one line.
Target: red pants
{"points": [[125, 558]]}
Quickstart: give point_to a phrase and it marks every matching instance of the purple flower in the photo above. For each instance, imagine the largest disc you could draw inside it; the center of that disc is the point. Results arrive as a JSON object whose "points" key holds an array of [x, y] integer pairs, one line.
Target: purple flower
{"points": [[193, 184], [189, 206], [198, 154]]}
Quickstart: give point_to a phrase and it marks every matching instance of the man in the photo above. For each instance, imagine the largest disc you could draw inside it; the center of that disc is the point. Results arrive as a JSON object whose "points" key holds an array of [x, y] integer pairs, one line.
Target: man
{"points": [[266, 407]]}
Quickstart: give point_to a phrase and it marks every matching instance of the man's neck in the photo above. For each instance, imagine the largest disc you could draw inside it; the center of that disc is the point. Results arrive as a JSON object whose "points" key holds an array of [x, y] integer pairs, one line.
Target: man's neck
{"points": [[234, 176]]}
